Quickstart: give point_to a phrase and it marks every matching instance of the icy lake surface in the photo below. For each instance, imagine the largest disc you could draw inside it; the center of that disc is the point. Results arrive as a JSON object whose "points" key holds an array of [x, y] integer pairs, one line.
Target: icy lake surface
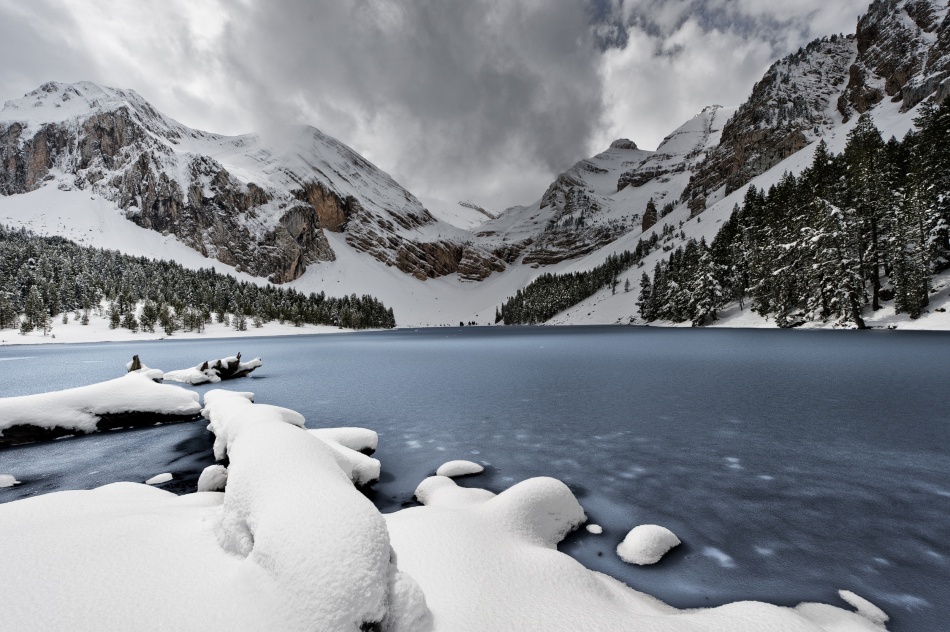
{"points": [[790, 463]]}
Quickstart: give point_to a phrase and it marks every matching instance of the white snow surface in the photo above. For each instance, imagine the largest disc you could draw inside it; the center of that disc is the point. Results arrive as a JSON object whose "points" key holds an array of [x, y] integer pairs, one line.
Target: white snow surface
{"points": [[8, 480], [596, 529], [80, 408], [214, 478], [292, 511], [459, 468], [348, 445], [646, 544]]}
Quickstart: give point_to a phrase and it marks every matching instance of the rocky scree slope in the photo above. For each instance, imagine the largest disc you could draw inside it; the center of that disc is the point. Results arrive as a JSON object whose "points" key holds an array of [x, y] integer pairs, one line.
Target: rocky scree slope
{"points": [[258, 204]]}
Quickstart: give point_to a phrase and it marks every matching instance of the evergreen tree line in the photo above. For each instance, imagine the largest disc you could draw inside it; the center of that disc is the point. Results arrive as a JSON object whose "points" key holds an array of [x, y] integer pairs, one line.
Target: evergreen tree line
{"points": [[853, 231], [42, 278], [550, 293]]}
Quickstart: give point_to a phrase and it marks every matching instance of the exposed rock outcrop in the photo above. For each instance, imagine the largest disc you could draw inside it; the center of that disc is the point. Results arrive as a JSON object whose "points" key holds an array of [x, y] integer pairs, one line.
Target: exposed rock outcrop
{"points": [[789, 107], [260, 206]]}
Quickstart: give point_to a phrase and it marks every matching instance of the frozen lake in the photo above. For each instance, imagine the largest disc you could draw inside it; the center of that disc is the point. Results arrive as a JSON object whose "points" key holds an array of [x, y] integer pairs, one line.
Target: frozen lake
{"points": [[790, 463]]}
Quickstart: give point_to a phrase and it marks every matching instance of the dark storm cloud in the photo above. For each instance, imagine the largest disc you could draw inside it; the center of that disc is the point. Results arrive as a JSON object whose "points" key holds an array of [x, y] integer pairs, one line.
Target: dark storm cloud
{"points": [[463, 92]]}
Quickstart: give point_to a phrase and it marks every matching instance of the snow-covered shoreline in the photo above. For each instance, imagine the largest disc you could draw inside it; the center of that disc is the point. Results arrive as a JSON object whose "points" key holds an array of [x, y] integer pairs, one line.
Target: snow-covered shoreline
{"points": [[291, 544]]}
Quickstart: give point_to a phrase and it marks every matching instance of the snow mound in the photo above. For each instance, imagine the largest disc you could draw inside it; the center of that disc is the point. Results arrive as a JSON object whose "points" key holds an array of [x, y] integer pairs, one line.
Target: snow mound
{"points": [[596, 529], [8, 480], [290, 509], [348, 445], [865, 608], [158, 479], [136, 366], [214, 478], [213, 371], [646, 544], [459, 468], [34, 417], [488, 562]]}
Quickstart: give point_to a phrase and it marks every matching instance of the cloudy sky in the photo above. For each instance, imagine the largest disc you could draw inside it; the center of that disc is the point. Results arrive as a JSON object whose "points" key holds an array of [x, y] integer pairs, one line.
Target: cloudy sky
{"points": [[480, 100]]}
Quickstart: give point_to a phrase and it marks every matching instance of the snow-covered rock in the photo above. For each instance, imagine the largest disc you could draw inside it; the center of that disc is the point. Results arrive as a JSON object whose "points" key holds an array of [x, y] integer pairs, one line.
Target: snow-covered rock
{"points": [[646, 544], [459, 468], [350, 447], [213, 478], [595, 529], [865, 608], [8, 480], [158, 479], [136, 366], [213, 371], [133, 399]]}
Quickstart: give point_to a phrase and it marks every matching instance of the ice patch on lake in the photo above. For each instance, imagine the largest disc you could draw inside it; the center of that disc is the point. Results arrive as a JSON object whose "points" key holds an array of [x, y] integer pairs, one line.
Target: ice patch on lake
{"points": [[722, 558]]}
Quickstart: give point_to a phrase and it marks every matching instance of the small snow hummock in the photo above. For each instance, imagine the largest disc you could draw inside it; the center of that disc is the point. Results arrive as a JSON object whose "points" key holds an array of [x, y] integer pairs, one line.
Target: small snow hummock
{"points": [[865, 608], [213, 371], [349, 446], [7, 480], [459, 468], [596, 529], [126, 401], [136, 366], [214, 478], [646, 544], [158, 479]]}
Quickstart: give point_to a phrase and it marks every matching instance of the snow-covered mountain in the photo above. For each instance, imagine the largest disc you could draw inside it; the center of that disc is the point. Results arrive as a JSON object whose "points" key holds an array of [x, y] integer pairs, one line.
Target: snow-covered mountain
{"points": [[603, 198], [260, 204], [81, 160]]}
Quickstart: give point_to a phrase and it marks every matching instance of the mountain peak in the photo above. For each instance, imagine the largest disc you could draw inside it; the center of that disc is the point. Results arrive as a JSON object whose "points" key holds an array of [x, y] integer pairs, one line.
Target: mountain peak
{"points": [[54, 101]]}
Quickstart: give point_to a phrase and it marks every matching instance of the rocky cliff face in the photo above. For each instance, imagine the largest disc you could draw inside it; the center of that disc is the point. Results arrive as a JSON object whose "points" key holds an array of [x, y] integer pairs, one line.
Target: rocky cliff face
{"points": [[903, 51], [259, 205], [604, 197], [789, 107]]}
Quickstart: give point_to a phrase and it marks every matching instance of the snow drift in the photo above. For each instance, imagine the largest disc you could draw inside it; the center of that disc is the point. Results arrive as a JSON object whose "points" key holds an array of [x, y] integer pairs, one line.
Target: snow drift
{"points": [[131, 400]]}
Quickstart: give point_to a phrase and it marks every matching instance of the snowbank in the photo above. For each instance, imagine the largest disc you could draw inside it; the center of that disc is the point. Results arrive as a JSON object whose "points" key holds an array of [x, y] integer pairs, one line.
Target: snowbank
{"points": [[646, 544], [8, 480], [158, 479], [213, 371], [350, 446], [459, 468], [291, 510], [488, 562], [130, 400]]}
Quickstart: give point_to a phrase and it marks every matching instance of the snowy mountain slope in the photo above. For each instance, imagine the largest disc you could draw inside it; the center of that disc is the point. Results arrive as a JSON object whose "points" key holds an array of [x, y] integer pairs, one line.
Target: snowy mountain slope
{"points": [[792, 105], [602, 198], [464, 215], [258, 204], [605, 307]]}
